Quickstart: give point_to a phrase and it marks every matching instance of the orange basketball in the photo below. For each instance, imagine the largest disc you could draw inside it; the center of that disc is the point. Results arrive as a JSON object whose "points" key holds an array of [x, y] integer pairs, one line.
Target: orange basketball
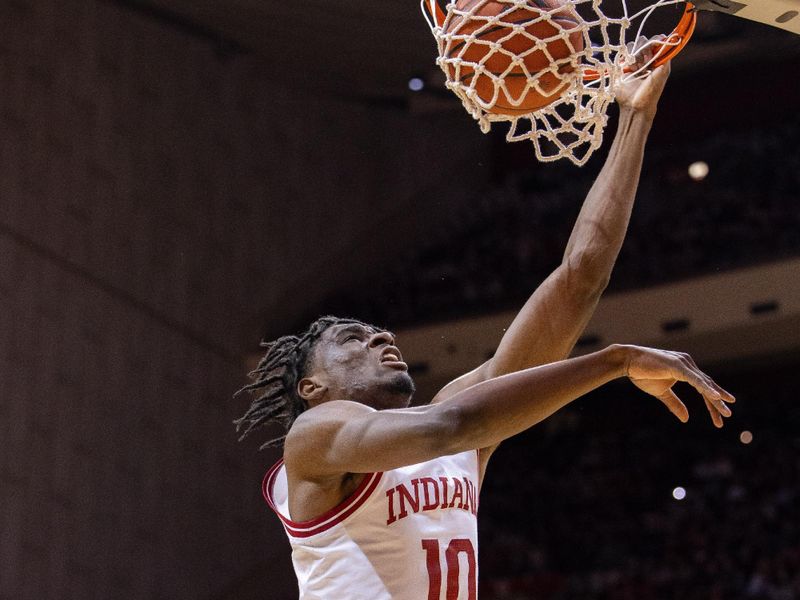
{"points": [[505, 32]]}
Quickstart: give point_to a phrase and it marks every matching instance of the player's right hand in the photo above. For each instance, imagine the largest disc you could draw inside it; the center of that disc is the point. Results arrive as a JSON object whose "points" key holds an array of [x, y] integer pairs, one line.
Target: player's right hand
{"points": [[657, 371], [641, 94]]}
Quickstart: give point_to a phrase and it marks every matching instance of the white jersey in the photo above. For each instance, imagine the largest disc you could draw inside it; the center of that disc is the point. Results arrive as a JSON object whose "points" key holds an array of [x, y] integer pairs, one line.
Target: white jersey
{"points": [[406, 534]]}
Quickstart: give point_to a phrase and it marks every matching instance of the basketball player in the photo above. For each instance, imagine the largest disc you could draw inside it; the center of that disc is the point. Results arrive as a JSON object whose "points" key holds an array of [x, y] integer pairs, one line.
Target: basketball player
{"points": [[379, 500]]}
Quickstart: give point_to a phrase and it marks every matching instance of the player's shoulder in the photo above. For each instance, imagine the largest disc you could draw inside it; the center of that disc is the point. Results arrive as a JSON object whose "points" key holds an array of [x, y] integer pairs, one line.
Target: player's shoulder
{"points": [[330, 412], [316, 428]]}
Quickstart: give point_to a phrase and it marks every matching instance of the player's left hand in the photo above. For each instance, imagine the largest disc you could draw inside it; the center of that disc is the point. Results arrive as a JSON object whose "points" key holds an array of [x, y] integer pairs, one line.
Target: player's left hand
{"points": [[641, 94], [655, 372]]}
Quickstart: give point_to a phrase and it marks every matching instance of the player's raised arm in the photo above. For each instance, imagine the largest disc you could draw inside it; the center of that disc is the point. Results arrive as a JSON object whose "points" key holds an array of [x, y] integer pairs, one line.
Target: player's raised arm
{"points": [[337, 437], [550, 323], [555, 315]]}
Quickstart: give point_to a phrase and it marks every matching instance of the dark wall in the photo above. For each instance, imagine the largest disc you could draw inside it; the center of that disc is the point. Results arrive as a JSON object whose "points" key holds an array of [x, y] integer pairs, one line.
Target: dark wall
{"points": [[157, 201]]}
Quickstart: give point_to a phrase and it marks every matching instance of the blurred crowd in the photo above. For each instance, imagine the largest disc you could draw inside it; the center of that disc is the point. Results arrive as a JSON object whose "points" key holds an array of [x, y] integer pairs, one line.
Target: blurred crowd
{"points": [[614, 500], [508, 238]]}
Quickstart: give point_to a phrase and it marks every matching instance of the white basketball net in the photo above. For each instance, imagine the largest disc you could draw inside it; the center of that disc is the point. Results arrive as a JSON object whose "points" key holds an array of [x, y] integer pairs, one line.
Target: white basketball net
{"points": [[572, 126]]}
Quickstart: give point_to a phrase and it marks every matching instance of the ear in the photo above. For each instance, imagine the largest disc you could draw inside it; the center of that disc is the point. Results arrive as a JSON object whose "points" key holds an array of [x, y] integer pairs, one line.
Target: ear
{"points": [[311, 390]]}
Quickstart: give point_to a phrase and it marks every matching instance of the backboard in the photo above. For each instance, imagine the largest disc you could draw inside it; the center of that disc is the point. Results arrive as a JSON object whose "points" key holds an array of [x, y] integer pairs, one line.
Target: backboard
{"points": [[784, 14]]}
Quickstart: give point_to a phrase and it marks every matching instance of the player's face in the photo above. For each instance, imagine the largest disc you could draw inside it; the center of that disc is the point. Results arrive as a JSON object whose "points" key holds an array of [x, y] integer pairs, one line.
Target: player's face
{"points": [[361, 363]]}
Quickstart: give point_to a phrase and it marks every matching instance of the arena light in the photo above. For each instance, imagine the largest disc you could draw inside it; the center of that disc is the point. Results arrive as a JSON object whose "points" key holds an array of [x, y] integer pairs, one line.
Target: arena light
{"points": [[746, 437], [698, 170], [679, 493], [415, 84]]}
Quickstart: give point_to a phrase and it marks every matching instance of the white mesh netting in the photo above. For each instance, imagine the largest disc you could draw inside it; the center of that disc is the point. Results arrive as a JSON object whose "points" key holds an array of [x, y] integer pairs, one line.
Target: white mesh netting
{"points": [[505, 58]]}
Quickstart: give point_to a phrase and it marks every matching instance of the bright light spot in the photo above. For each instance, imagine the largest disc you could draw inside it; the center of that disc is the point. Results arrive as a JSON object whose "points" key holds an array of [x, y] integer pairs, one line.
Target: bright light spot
{"points": [[415, 84], [745, 437], [679, 493], [698, 170]]}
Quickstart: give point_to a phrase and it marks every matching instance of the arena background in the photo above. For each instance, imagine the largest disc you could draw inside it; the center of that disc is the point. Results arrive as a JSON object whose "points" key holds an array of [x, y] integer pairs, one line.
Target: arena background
{"points": [[180, 179]]}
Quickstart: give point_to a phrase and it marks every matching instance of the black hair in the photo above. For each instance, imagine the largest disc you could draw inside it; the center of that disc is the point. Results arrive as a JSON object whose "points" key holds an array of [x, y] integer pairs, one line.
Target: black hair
{"points": [[275, 380]]}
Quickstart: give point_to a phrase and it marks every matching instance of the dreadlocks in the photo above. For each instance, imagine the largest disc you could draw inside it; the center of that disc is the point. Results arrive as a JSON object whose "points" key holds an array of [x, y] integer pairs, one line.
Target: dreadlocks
{"points": [[275, 380]]}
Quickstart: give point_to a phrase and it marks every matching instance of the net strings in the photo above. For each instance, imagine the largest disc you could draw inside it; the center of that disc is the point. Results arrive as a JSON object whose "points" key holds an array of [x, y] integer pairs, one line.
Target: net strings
{"points": [[571, 127]]}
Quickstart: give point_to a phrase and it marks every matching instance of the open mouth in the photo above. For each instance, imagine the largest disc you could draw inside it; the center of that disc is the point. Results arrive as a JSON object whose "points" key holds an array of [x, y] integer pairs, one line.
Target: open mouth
{"points": [[392, 357]]}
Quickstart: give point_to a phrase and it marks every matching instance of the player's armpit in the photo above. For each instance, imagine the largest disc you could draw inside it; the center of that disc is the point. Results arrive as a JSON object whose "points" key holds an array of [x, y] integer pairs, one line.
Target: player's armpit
{"points": [[544, 331], [460, 384], [550, 322]]}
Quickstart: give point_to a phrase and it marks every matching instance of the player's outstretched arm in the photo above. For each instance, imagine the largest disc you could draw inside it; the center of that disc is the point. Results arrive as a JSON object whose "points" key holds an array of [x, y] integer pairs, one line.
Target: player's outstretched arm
{"points": [[550, 323], [555, 315], [341, 437]]}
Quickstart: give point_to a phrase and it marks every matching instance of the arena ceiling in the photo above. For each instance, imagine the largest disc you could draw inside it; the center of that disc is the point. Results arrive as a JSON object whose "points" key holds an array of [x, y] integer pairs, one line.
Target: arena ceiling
{"points": [[365, 49]]}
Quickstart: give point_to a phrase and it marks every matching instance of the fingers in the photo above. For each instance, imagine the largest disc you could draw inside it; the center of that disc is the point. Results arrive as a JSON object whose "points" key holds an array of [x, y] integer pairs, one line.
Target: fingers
{"points": [[716, 417], [675, 406], [717, 409], [656, 371], [645, 51], [714, 396], [726, 396]]}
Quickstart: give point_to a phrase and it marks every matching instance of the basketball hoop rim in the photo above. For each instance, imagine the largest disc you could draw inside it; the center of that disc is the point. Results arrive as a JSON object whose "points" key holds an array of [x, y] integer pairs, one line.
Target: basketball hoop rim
{"points": [[666, 52]]}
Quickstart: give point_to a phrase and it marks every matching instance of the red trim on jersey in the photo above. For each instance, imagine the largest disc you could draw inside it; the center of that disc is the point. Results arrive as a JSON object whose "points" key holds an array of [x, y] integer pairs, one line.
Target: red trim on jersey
{"points": [[329, 518]]}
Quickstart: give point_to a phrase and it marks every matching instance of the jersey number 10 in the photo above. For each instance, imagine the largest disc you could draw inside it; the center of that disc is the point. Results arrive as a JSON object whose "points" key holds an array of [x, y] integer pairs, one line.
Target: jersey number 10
{"points": [[456, 547]]}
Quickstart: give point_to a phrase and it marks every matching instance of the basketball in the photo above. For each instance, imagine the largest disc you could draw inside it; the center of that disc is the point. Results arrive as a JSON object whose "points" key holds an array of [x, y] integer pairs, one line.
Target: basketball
{"points": [[495, 34]]}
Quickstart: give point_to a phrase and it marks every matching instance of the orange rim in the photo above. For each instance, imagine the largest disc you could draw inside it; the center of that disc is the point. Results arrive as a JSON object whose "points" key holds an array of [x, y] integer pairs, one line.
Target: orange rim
{"points": [[666, 52]]}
